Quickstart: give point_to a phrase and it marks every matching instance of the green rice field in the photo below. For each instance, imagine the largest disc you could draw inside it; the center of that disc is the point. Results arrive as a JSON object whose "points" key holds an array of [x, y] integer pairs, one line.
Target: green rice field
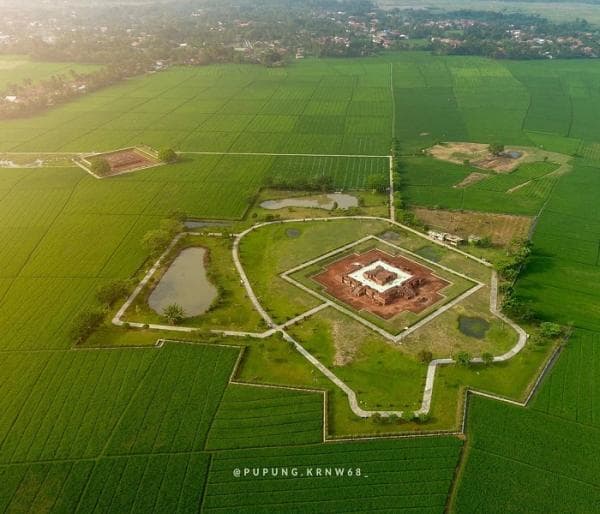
{"points": [[155, 429]]}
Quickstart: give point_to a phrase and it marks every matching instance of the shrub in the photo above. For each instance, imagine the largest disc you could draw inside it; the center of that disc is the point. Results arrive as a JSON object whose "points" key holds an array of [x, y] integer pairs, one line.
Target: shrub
{"points": [[496, 148], [422, 417], [85, 323], [550, 330], [100, 167], [484, 242], [425, 356], [109, 293], [167, 155], [174, 314], [394, 419], [463, 359], [487, 358]]}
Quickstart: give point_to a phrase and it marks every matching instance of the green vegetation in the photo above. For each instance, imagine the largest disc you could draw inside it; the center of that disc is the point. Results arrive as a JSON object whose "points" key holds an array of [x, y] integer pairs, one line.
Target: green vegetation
{"points": [[167, 155], [174, 314], [250, 417], [231, 310], [136, 428], [100, 167], [431, 460]]}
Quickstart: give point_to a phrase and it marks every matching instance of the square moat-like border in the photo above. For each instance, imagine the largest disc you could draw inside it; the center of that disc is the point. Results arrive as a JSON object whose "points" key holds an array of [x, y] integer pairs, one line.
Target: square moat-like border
{"points": [[420, 288], [396, 325]]}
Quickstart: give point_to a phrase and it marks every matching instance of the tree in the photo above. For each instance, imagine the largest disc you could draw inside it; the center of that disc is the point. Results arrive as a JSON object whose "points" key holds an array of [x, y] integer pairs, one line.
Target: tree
{"points": [[100, 167], [425, 356], [174, 314], [550, 330], [167, 155], [487, 358], [463, 359], [156, 241], [85, 323], [496, 148], [109, 293]]}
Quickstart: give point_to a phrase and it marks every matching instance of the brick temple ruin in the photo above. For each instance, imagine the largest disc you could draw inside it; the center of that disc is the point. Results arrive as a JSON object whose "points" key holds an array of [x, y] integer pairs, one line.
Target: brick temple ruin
{"points": [[381, 283]]}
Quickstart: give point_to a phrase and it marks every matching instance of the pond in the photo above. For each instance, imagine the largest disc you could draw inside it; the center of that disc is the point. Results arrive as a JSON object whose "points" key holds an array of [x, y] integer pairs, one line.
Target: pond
{"points": [[390, 235], [431, 253], [205, 223], [293, 233], [185, 283], [326, 202], [473, 327]]}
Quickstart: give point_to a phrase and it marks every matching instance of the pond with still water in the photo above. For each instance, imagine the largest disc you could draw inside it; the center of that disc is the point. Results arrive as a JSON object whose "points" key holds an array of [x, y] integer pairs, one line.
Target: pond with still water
{"points": [[185, 283], [327, 202]]}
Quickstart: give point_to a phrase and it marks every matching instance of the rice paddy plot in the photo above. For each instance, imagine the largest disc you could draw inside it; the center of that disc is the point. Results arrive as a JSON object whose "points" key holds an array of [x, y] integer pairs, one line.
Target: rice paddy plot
{"points": [[423, 481], [172, 411], [257, 416], [569, 391], [510, 446], [161, 483], [345, 172]]}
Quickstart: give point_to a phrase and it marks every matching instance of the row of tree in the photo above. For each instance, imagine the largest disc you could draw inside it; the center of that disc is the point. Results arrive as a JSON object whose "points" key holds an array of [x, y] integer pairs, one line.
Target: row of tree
{"points": [[30, 97]]}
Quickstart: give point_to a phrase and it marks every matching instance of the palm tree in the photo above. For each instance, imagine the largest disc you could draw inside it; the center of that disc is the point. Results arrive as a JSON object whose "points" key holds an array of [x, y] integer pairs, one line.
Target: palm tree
{"points": [[174, 314]]}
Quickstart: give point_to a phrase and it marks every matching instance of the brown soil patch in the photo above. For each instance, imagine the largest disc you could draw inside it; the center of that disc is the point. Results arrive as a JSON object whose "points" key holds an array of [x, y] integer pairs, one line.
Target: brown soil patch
{"points": [[502, 228], [428, 293], [345, 345], [471, 179], [478, 155]]}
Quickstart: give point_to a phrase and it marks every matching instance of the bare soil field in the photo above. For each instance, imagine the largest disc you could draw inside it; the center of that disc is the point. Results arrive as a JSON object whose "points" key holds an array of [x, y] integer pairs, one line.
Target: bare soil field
{"points": [[471, 179], [478, 155], [502, 228]]}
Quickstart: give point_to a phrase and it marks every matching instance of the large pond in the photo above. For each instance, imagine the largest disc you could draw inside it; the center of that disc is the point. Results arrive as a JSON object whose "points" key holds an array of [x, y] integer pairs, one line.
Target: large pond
{"points": [[185, 283], [327, 202]]}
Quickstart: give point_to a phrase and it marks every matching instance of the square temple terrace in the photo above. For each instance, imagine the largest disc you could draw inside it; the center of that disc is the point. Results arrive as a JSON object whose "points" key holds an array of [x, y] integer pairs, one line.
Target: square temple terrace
{"points": [[382, 284]]}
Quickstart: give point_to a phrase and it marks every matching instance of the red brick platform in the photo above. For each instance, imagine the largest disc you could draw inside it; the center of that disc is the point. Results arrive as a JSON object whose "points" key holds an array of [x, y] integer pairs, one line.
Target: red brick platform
{"points": [[427, 293]]}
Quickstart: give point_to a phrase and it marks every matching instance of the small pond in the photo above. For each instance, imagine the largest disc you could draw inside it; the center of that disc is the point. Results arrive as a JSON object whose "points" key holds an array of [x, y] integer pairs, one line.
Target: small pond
{"points": [[293, 233], [327, 202], [513, 154], [473, 327], [431, 253], [185, 283], [390, 235], [205, 223]]}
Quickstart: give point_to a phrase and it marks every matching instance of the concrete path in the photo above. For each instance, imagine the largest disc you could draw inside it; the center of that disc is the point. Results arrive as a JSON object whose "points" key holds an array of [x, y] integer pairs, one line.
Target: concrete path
{"points": [[430, 377], [275, 328]]}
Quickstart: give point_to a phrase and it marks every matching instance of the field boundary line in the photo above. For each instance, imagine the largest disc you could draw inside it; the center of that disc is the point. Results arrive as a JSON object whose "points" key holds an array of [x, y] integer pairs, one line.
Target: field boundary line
{"points": [[391, 196], [358, 156]]}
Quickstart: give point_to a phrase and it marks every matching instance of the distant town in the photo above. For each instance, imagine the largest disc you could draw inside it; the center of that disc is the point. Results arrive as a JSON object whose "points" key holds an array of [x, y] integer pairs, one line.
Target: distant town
{"points": [[138, 39]]}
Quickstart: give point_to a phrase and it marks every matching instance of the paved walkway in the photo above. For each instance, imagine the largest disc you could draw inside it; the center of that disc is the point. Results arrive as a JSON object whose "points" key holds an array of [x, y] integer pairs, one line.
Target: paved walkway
{"points": [[430, 377], [275, 328]]}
